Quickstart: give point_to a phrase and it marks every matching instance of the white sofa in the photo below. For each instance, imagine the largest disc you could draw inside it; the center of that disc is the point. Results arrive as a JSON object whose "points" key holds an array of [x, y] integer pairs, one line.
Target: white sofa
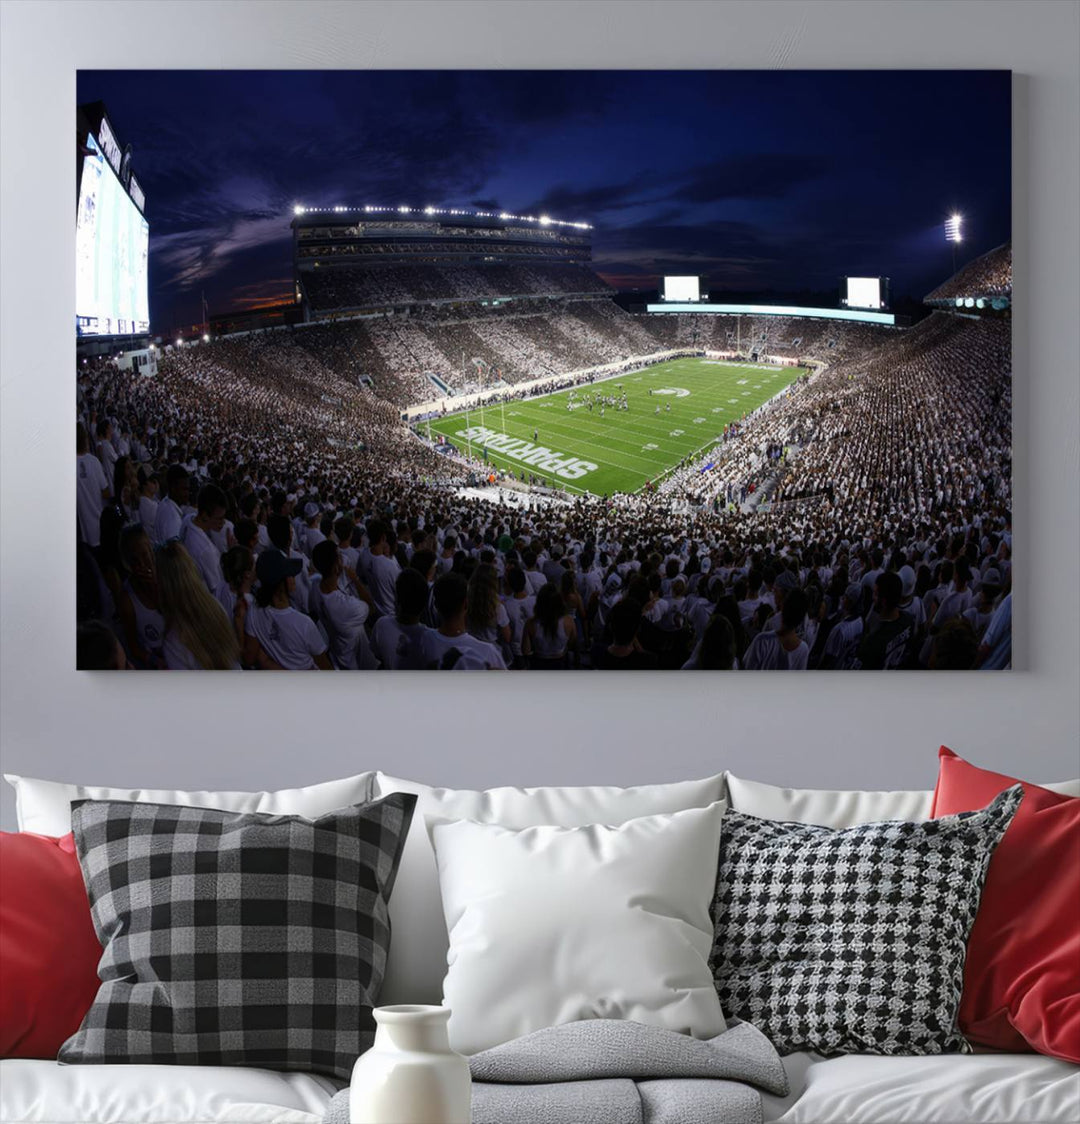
{"points": [[969, 1089]]}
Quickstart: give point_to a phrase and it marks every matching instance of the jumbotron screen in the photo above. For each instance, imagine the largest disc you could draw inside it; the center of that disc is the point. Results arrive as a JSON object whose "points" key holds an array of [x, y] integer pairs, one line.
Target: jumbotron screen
{"points": [[681, 289], [865, 292], [112, 242]]}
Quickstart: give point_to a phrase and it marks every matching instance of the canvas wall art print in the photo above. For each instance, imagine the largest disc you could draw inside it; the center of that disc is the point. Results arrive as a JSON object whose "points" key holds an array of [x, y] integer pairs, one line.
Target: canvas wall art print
{"points": [[543, 370]]}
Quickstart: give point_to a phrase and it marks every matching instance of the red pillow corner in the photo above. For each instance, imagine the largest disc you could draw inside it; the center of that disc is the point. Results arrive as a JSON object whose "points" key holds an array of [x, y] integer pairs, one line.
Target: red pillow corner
{"points": [[49, 952], [1021, 986]]}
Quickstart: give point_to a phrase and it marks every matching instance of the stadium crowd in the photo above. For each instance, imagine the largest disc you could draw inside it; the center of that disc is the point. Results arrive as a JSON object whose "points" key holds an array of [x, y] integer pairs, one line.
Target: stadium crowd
{"points": [[255, 506], [341, 288], [524, 340], [987, 276], [259, 504]]}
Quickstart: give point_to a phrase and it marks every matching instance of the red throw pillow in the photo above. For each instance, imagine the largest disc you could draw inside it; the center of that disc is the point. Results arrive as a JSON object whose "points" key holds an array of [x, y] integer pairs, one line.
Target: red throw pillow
{"points": [[1022, 975], [48, 950]]}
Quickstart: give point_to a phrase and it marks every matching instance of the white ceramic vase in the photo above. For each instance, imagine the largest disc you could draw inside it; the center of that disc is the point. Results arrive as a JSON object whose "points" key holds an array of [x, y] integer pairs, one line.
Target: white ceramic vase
{"points": [[410, 1075]]}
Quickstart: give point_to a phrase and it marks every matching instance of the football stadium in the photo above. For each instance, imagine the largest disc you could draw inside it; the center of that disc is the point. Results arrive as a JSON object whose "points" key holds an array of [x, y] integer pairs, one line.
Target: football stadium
{"points": [[457, 446]]}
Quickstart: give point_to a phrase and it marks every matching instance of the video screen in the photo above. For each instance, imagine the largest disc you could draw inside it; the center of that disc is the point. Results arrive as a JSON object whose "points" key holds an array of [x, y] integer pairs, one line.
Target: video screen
{"points": [[112, 242], [681, 289], [864, 292]]}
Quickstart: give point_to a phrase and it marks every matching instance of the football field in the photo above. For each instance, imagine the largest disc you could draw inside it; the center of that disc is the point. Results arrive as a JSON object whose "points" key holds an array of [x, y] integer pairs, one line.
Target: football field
{"points": [[621, 451]]}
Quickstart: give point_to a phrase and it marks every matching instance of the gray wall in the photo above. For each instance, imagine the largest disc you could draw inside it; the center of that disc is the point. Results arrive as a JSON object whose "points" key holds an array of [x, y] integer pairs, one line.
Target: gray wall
{"points": [[255, 731]]}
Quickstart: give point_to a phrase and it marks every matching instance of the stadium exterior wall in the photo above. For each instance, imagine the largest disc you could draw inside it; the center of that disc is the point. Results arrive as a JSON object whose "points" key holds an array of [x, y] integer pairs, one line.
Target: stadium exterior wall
{"points": [[226, 731]]}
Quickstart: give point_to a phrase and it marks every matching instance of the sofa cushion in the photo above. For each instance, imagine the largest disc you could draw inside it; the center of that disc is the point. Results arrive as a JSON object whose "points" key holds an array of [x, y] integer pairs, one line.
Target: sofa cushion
{"points": [[971, 1089], [551, 925], [851, 941], [417, 964], [44, 807], [949, 1089], [1022, 975], [48, 950], [42, 1092], [236, 939]]}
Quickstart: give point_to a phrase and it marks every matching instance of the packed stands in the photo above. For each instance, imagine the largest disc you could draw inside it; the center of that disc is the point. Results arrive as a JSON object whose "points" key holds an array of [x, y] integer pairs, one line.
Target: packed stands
{"points": [[987, 276], [862, 519]]}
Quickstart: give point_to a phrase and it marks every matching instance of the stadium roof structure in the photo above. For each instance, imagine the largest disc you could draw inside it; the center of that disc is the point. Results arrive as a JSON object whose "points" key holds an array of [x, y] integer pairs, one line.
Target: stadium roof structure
{"points": [[984, 283], [437, 212]]}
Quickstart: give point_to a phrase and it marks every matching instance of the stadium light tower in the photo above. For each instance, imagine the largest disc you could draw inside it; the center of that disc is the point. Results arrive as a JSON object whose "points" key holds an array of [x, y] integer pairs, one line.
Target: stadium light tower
{"points": [[954, 233]]}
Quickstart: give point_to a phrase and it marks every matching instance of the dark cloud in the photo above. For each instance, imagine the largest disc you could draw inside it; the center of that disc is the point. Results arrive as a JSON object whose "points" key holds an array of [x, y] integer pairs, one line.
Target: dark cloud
{"points": [[761, 175], [579, 204]]}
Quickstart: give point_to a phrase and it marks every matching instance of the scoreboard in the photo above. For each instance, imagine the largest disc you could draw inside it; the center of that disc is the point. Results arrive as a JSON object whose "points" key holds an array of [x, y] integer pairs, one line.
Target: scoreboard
{"points": [[682, 289], [112, 240], [864, 292]]}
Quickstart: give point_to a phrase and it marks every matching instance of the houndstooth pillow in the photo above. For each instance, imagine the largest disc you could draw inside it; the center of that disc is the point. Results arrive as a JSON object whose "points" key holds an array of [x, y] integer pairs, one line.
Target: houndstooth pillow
{"points": [[851, 941], [236, 939]]}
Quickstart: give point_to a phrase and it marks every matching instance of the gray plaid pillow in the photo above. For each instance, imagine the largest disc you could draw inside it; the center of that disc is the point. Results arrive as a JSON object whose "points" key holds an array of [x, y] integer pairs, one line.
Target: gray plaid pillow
{"points": [[853, 941], [236, 938]]}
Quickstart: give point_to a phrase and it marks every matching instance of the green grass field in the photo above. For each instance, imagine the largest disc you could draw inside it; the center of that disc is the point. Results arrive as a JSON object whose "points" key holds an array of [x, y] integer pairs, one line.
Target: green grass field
{"points": [[625, 449]]}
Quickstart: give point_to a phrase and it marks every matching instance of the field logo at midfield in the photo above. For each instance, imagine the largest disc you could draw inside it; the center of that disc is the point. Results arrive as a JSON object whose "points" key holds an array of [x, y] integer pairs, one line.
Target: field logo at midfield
{"points": [[518, 449], [676, 390]]}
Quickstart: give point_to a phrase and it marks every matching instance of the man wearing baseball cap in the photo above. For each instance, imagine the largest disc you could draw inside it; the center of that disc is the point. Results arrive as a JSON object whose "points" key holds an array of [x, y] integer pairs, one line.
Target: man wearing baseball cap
{"points": [[276, 635]]}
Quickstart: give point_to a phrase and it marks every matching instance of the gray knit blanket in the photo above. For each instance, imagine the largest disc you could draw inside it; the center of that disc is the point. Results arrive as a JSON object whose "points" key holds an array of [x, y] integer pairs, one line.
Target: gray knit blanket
{"points": [[608, 1071]]}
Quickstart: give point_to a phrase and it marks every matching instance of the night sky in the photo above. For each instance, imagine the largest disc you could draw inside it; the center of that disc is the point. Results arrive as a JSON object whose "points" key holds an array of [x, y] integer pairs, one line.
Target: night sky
{"points": [[757, 180]]}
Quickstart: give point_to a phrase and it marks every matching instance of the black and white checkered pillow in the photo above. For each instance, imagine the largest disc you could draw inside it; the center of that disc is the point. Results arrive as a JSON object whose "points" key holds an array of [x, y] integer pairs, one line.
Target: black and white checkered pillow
{"points": [[851, 941], [237, 939]]}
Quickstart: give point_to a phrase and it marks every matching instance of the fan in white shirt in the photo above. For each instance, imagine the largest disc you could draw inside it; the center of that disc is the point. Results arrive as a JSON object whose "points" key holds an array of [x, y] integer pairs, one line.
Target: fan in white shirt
{"points": [[148, 501], [92, 489], [451, 643], [342, 616], [170, 516], [519, 605], [384, 568], [277, 635], [238, 572], [842, 646], [106, 451], [280, 533], [137, 602], [782, 650], [533, 575], [311, 536], [400, 640], [209, 518]]}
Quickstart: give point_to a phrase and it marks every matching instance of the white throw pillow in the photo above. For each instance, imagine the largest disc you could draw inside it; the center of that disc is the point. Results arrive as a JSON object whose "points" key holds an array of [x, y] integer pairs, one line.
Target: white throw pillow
{"points": [[44, 807], [551, 925], [418, 943], [839, 808]]}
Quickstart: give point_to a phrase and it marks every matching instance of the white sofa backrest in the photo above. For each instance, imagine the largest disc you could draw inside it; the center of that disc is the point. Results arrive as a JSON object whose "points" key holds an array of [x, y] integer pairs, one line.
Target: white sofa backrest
{"points": [[839, 808], [44, 807]]}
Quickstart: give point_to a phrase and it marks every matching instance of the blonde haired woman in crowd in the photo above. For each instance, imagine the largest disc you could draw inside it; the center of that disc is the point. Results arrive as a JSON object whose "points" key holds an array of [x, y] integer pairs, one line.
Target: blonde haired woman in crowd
{"points": [[486, 617], [198, 632]]}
